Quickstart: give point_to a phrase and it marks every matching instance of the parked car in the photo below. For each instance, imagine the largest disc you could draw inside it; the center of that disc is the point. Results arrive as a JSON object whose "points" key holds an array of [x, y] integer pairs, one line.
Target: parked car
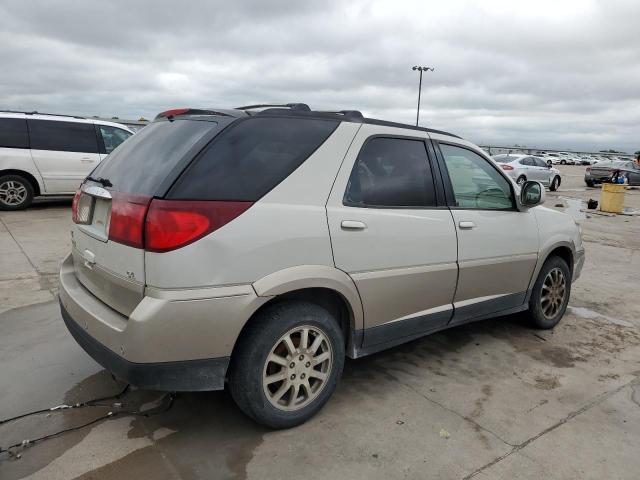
{"points": [[525, 167], [603, 171], [42, 154], [255, 249], [552, 159], [629, 171]]}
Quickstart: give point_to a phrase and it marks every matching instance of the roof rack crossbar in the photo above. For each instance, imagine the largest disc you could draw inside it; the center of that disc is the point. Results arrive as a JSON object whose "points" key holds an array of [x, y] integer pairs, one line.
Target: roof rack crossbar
{"points": [[293, 106], [34, 112]]}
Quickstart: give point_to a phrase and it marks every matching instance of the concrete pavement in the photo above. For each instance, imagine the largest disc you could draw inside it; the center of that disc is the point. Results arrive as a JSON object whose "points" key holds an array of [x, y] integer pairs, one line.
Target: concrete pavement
{"points": [[490, 400]]}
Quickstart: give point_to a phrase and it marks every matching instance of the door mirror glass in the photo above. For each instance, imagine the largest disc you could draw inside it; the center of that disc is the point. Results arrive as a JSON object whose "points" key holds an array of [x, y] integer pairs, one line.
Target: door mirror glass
{"points": [[531, 194]]}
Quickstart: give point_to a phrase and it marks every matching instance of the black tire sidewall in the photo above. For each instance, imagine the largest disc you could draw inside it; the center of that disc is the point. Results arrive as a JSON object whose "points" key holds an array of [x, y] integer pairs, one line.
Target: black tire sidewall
{"points": [[26, 183], [555, 183], [247, 363], [535, 309]]}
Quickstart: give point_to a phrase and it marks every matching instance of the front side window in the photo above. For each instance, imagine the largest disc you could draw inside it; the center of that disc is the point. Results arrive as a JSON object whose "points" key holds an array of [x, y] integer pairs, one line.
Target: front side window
{"points": [[112, 137], [63, 136], [13, 133], [476, 183], [391, 172]]}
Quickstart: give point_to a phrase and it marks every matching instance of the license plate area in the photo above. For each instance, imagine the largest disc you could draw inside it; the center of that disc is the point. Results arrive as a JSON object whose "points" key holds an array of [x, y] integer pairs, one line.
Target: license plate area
{"points": [[94, 208]]}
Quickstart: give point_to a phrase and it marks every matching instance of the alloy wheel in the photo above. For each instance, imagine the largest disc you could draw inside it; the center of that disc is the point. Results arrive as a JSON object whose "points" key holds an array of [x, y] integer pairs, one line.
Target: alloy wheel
{"points": [[12, 193], [297, 368], [553, 293]]}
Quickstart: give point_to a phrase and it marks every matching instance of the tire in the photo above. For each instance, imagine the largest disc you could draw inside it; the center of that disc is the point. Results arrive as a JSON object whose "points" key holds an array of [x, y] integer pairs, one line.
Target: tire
{"points": [[547, 314], [555, 183], [590, 183], [521, 179], [263, 339], [16, 192], [563, 162]]}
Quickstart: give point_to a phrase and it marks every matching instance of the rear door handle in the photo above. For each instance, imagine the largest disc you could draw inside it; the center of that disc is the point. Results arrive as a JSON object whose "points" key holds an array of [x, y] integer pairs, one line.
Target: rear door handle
{"points": [[353, 225], [466, 225]]}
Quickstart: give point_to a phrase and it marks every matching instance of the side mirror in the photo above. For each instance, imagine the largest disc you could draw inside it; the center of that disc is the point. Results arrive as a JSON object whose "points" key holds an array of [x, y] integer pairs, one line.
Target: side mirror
{"points": [[531, 194]]}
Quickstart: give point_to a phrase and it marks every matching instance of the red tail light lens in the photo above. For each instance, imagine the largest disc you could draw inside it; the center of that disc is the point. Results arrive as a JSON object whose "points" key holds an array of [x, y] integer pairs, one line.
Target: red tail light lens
{"points": [[126, 225], [74, 206], [175, 111], [504, 166], [172, 224]]}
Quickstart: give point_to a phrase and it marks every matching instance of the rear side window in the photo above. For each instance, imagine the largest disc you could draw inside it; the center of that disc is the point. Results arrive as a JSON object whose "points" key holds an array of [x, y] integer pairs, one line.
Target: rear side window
{"points": [[13, 133], [391, 172], [112, 137], [63, 136], [251, 158], [144, 161]]}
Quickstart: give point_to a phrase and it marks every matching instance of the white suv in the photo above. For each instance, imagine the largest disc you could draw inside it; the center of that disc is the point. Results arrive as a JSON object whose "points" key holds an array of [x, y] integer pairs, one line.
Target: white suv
{"points": [[257, 250], [42, 154]]}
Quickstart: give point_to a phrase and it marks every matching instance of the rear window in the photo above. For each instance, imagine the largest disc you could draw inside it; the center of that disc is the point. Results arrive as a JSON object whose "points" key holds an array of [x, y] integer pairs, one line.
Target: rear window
{"points": [[13, 133], [63, 136], [252, 157], [143, 162]]}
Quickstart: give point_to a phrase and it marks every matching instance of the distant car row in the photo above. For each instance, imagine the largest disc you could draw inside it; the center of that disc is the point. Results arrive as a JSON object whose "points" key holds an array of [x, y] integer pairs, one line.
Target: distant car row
{"points": [[569, 158]]}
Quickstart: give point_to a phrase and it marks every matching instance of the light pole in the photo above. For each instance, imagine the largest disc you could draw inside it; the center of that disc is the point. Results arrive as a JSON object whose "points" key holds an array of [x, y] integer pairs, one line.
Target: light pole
{"points": [[420, 69]]}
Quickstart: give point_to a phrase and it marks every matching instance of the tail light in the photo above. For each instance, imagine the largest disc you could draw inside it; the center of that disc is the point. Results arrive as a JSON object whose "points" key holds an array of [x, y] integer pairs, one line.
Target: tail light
{"points": [[171, 224], [506, 167], [128, 212], [74, 206]]}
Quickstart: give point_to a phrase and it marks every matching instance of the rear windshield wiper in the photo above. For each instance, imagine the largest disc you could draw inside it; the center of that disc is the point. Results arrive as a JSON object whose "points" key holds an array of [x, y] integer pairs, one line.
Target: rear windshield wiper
{"points": [[102, 181]]}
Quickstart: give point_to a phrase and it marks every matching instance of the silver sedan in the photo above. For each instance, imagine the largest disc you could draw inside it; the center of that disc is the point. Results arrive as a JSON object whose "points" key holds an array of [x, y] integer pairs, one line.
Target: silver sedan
{"points": [[526, 167]]}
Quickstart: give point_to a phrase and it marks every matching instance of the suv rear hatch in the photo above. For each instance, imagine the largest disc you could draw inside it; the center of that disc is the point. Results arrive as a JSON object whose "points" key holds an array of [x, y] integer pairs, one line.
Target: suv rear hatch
{"points": [[110, 208]]}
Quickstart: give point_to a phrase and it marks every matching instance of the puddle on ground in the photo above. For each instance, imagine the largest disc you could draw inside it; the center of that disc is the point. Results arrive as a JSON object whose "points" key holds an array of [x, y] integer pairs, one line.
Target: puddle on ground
{"points": [[573, 207], [592, 314]]}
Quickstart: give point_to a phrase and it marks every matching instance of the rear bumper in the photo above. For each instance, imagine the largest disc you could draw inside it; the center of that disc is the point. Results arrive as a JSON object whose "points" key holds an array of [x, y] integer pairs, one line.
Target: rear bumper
{"points": [[177, 340], [189, 375]]}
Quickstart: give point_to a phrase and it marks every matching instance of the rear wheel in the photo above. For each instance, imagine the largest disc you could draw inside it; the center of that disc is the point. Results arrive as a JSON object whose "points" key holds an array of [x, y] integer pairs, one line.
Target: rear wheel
{"points": [[550, 294], [16, 192], [287, 364], [555, 183], [563, 162], [521, 179]]}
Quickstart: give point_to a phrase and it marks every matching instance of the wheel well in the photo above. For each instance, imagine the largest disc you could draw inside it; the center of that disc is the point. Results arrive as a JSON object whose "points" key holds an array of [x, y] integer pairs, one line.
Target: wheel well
{"points": [[565, 254], [27, 175], [329, 299]]}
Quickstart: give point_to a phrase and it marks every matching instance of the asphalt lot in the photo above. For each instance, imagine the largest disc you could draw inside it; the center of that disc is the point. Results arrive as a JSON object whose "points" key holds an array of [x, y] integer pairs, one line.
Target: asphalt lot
{"points": [[488, 400]]}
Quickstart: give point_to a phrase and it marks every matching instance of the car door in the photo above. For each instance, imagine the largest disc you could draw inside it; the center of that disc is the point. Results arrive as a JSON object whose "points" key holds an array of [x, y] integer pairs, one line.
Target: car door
{"points": [[497, 244], [393, 234], [64, 152], [543, 172]]}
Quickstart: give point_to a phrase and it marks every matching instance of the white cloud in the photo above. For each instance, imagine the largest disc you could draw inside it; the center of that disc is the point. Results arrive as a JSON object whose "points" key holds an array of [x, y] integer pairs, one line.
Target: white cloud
{"points": [[548, 73]]}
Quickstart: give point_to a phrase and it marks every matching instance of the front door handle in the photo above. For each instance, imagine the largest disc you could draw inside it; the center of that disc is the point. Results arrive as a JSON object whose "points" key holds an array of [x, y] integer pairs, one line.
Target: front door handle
{"points": [[466, 225], [353, 225]]}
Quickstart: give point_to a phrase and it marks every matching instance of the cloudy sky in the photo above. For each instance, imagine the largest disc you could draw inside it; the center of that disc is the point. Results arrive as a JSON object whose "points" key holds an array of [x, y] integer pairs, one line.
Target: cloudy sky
{"points": [[554, 73]]}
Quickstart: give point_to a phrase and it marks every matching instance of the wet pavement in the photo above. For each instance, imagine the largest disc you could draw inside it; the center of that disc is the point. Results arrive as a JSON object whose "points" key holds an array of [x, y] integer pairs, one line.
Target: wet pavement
{"points": [[493, 399]]}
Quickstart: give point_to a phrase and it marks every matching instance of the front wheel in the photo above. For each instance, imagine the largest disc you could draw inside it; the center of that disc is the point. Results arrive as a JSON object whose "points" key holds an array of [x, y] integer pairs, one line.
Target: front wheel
{"points": [[16, 192], [550, 294], [287, 364], [555, 183]]}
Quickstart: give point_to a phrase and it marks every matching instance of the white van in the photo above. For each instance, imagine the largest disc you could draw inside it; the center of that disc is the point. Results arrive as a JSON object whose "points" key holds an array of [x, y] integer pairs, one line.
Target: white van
{"points": [[43, 154]]}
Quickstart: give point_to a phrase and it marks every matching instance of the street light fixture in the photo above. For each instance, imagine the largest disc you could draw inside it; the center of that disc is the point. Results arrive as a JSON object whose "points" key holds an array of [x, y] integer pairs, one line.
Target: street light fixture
{"points": [[420, 69]]}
